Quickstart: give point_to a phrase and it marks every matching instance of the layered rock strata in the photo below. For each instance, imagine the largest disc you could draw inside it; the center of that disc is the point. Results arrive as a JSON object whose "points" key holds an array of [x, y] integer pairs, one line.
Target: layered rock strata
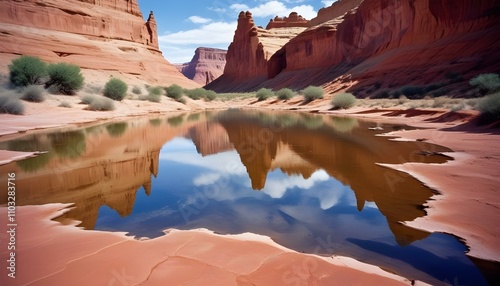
{"points": [[102, 37], [207, 65]]}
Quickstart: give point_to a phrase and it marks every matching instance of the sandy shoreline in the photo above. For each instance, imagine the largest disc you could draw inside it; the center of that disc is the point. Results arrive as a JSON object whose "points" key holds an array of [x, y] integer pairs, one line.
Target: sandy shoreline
{"points": [[466, 207], [194, 257]]}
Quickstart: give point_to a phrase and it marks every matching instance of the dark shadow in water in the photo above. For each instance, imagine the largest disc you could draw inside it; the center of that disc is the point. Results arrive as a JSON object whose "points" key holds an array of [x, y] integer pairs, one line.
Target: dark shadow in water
{"points": [[426, 262]]}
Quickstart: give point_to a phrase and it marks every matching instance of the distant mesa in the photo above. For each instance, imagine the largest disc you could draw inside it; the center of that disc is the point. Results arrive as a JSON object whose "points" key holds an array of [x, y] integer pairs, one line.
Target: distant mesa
{"points": [[206, 66]]}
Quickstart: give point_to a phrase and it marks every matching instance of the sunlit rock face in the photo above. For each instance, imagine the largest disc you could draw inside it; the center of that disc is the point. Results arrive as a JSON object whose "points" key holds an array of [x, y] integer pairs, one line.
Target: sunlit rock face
{"points": [[361, 43], [109, 37]]}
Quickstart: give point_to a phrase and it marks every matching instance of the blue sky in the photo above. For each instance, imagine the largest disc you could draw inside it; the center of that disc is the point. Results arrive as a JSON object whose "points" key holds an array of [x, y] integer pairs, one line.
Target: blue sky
{"points": [[187, 24]]}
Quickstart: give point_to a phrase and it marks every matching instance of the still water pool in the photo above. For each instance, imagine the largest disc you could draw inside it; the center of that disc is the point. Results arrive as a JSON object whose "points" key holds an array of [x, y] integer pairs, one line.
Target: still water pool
{"points": [[312, 183]]}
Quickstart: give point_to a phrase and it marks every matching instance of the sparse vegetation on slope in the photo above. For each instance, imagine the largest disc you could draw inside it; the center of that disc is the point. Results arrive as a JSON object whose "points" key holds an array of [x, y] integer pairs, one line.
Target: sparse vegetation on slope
{"points": [[11, 104], [489, 107], [33, 93], [27, 70], [115, 89], [487, 83], [65, 78], [264, 93], [285, 94], [101, 103], [312, 92], [174, 91], [344, 100]]}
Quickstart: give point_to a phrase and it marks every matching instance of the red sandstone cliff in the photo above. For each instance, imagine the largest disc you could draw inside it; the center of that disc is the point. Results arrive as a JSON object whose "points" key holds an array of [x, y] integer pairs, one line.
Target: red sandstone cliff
{"points": [[108, 37], [385, 42], [207, 65], [249, 53]]}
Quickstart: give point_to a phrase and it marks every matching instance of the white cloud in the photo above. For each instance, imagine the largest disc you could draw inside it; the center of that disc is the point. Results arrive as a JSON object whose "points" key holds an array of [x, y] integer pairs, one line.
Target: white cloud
{"points": [[179, 47], [276, 188], [239, 7], [273, 8], [327, 3], [206, 179], [210, 34], [199, 20]]}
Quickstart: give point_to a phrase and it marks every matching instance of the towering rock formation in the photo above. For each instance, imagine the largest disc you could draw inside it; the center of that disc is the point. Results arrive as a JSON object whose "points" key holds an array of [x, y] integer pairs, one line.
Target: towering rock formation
{"points": [[388, 42], [249, 53], [107, 37], [293, 20], [207, 65]]}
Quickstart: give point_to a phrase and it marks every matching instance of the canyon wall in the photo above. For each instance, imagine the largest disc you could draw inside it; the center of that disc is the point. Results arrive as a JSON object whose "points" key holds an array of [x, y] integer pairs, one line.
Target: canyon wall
{"points": [[108, 37], [207, 65], [355, 44]]}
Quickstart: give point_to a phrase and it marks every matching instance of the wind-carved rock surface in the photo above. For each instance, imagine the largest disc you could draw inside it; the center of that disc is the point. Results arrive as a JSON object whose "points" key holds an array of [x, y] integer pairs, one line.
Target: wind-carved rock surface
{"points": [[108, 36], [207, 65], [249, 53], [362, 42]]}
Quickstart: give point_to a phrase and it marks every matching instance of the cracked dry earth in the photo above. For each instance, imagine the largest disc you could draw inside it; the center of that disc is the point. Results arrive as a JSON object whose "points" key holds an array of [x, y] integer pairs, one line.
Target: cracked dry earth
{"points": [[50, 253]]}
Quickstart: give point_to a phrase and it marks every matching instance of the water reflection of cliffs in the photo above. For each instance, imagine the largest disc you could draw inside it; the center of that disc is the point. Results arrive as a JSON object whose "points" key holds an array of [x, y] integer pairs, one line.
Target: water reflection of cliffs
{"points": [[91, 167], [349, 158]]}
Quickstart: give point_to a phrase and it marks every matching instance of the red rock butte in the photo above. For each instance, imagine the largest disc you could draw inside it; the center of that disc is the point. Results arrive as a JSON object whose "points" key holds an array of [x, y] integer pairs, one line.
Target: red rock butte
{"points": [[102, 37], [358, 44], [207, 65]]}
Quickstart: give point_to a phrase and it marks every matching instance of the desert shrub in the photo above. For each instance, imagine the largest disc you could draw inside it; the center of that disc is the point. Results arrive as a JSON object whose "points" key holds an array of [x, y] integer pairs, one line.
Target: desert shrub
{"points": [[10, 104], [151, 98], [210, 95], [101, 103], [91, 88], [431, 87], [33, 93], [457, 107], [383, 93], [489, 107], [312, 92], [136, 90], [344, 100], [487, 83], [264, 93], [65, 78], [115, 89], [402, 99], [196, 93], [439, 92], [174, 91], [285, 94], [65, 104], [27, 70], [155, 91], [412, 91], [440, 102], [87, 98]]}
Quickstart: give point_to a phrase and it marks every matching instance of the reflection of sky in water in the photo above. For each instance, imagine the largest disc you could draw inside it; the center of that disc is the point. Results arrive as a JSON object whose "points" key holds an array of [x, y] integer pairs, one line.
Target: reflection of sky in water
{"points": [[315, 215]]}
